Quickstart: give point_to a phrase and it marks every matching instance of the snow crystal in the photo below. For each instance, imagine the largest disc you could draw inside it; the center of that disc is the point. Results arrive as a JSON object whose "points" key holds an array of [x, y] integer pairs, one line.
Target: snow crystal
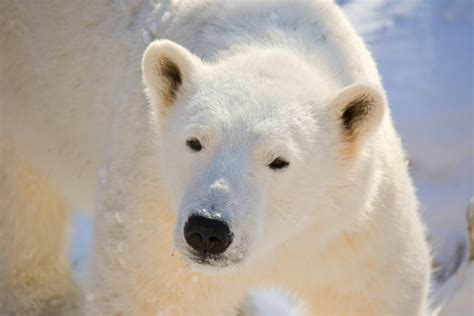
{"points": [[118, 217]]}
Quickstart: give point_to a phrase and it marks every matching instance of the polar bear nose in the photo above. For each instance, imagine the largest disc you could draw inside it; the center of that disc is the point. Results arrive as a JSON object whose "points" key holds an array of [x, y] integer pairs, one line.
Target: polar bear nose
{"points": [[207, 236]]}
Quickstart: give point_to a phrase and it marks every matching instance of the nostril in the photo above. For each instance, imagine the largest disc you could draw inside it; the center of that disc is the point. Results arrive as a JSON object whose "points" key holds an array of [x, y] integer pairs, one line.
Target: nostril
{"points": [[194, 240], [207, 235], [213, 243]]}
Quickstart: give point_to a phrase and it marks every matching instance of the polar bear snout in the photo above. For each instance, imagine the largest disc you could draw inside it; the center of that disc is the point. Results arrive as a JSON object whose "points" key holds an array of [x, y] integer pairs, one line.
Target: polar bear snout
{"points": [[207, 236]]}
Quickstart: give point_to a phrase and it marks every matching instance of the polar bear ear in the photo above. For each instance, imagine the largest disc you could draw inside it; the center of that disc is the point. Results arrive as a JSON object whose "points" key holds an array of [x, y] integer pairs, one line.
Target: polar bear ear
{"points": [[166, 66], [360, 109]]}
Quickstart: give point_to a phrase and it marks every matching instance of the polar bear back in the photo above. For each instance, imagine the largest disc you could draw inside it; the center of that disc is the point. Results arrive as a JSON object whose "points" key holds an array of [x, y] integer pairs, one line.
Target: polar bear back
{"points": [[213, 30]]}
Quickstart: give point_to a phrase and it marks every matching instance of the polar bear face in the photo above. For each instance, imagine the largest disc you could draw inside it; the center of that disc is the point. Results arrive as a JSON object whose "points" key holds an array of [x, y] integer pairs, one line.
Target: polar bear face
{"points": [[252, 148]]}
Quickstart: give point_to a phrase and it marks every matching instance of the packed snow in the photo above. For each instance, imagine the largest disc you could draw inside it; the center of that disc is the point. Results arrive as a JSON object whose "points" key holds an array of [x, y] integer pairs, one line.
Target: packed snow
{"points": [[424, 50]]}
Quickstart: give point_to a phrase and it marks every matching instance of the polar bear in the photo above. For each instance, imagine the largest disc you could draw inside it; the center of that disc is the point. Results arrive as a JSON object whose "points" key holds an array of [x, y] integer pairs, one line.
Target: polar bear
{"points": [[264, 157]]}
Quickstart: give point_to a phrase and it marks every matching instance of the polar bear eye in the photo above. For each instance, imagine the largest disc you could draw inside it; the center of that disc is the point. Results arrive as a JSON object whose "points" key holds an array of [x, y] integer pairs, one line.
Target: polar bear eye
{"points": [[194, 144], [279, 163]]}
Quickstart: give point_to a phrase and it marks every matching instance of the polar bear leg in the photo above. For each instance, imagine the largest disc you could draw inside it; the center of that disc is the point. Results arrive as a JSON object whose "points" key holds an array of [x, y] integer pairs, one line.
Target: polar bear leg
{"points": [[35, 275]]}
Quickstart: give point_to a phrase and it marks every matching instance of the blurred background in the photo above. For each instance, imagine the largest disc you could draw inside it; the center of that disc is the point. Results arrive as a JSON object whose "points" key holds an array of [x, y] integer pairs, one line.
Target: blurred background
{"points": [[424, 50]]}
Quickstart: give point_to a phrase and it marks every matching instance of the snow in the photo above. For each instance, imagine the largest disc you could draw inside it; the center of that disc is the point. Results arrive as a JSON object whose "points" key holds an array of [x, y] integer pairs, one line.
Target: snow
{"points": [[373, 16], [462, 302], [274, 17], [273, 302], [424, 50], [118, 217]]}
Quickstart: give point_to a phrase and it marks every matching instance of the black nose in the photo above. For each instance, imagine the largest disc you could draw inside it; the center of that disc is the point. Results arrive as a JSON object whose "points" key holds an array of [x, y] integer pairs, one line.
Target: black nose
{"points": [[207, 235]]}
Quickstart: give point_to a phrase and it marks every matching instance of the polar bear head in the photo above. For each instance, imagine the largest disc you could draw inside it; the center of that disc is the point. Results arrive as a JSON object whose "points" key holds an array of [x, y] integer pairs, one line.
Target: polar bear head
{"points": [[255, 149]]}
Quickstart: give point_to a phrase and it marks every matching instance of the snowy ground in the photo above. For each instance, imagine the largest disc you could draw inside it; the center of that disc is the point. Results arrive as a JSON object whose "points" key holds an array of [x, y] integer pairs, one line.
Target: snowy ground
{"points": [[424, 50]]}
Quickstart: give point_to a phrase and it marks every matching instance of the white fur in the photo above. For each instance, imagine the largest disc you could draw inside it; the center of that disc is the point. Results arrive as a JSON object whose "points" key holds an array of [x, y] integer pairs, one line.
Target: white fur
{"points": [[339, 227]]}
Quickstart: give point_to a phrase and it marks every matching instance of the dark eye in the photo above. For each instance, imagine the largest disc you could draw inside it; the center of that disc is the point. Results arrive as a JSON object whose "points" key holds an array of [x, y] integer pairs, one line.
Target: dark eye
{"points": [[194, 144], [279, 163]]}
